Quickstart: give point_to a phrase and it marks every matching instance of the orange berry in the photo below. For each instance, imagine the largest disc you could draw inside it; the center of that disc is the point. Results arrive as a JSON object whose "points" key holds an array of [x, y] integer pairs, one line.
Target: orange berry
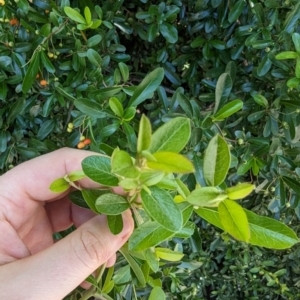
{"points": [[14, 22], [43, 82], [87, 141], [80, 145]]}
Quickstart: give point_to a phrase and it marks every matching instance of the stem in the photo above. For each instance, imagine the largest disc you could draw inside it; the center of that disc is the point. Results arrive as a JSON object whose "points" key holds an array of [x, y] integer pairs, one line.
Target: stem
{"points": [[100, 272], [88, 294], [83, 35]]}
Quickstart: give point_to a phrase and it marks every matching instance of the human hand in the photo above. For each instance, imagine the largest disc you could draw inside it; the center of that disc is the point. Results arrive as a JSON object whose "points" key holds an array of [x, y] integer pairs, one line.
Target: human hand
{"points": [[32, 266]]}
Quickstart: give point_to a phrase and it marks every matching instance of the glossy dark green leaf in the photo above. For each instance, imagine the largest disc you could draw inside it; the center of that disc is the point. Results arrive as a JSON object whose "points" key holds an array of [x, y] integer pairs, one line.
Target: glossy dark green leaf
{"points": [[147, 87], [77, 198], [236, 10], [94, 40], [90, 196], [291, 183], [31, 73], [47, 63], [94, 57], [169, 32], [90, 108], [46, 129]]}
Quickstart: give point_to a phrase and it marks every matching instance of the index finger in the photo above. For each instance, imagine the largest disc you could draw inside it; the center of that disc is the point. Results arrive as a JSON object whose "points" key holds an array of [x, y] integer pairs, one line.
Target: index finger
{"points": [[33, 178]]}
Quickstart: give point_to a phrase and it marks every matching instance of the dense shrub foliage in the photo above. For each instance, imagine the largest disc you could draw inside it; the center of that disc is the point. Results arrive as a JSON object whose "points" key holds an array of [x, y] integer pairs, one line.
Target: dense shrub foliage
{"points": [[59, 66]]}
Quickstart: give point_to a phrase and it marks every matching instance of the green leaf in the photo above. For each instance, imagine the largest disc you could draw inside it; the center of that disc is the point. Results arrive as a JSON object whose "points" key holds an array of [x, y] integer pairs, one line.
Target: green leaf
{"points": [[98, 169], [234, 220], [144, 137], [124, 71], [47, 63], [122, 164], [152, 32], [31, 73], [129, 113], [87, 15], [59, 185], [287, 55], [216, 161], [94, 57], [292, 183], [296, 40], [134, 266], [236, 11], [210, 215], [94, 40], [46, 129], [14, 110], [74, 15], [169, 32], [170, 162], [148, 235], [206, 196], [77, 198], [161, 207], [172, 136], [223, 89], [91, 195], [297, 71], [270, 233], [90, 108], [116, 106], [147, 87], [260, 100], [115, 223], [228, 110], [239, 191], [168, 254], [111, 204]]}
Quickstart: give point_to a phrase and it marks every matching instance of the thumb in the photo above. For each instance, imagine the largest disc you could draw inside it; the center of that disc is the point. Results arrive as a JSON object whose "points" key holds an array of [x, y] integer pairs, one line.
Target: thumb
{"points": [[56, 271]]}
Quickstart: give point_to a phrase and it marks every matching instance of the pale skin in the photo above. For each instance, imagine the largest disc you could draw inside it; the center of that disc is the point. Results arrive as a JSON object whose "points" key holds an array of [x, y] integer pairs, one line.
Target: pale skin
{"points": [[32, 266]]}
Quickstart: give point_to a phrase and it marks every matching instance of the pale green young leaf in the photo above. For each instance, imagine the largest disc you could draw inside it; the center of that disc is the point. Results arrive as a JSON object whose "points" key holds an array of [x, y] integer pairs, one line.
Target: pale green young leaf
{"points": [[129, 184], [228, 109], [170, 162], [59, 185], [172, 136], [147, 87], [168, 254], [296, 40], [216, 161], [186, 211], [206, 196], [96, 24], [76, 175], [287, 55], [239, 191], [144, 137], [87, 15], [147, 235], [116, 106], [124, 71], [121, 164], [151, 177], [234, 220], [161, 207], [74, 15], [98, 169], [182, 189], [115, 223], [157, 293], [111, 204]]}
